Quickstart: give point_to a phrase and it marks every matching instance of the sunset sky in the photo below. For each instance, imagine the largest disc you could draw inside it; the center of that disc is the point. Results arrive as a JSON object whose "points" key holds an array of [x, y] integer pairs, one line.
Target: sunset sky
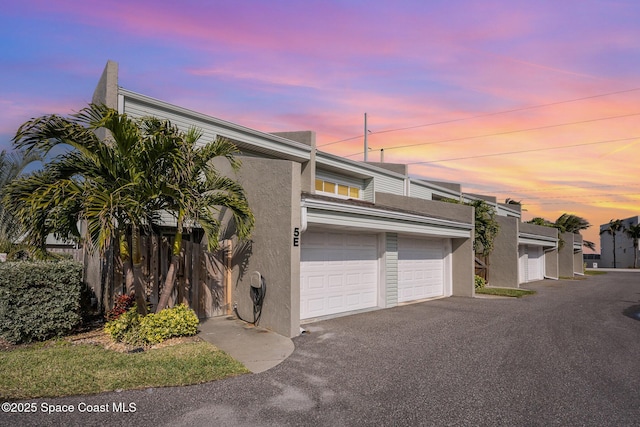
{"points": [[538, 101]]}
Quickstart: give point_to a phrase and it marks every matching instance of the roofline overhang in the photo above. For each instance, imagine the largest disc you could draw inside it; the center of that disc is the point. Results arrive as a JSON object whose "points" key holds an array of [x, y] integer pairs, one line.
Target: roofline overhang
{"points": [[244, 136], [341, 215], [537, 240]]}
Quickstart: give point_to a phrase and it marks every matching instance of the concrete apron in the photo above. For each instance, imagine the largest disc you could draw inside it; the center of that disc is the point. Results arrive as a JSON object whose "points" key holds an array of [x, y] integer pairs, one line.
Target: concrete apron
{"points": [[256, 348]]}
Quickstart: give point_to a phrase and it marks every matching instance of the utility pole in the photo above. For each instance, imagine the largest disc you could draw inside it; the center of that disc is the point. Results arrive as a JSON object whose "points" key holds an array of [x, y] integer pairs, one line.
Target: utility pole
{"points": [[366, 145], [382, 155]]}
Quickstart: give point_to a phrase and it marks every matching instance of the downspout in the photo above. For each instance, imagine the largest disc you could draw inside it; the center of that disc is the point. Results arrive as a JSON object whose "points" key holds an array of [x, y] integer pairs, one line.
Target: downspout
{"points": [[303, 219]]}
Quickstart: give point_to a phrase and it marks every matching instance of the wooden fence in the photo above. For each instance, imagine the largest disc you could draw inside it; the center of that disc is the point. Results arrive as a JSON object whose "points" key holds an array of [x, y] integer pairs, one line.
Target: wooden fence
{"points": [[200, 281]]}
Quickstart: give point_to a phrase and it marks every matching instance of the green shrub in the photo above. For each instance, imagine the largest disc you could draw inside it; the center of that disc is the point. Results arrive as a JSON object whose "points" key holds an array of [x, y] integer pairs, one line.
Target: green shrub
{"points": [[39, 300], [179, 321], [479, 282], [126, 327], [131, 328]]}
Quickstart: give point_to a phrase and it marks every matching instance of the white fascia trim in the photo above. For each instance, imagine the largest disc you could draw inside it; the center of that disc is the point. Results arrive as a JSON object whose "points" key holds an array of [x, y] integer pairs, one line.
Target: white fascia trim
{"points": [[335, 214], [537, 240], [234, 131], [441, 191], [509, 211]]}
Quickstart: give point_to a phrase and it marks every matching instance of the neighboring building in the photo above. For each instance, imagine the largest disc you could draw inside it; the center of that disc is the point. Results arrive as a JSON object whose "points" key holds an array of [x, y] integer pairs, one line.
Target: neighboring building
{"points": [[624, 246], [592, 260]]}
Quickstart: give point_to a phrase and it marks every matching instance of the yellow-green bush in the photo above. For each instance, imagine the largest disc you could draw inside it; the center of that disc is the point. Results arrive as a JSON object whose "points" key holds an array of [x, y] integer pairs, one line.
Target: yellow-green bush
{"points": [[131, 328], [179, 321], [126, 327]]}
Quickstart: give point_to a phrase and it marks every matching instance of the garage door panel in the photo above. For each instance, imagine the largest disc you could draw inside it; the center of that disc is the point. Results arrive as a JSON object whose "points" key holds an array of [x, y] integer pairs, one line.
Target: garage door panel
{"points": [[420, 268], [531, 263], [344, 271]]}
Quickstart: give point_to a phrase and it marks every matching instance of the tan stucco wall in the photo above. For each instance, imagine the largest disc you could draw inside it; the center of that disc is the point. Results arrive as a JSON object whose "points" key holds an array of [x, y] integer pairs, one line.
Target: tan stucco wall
{"points": [[308, 169], [503, 261], [450, 211], [565, 255], [273, 191], [106, 91]]}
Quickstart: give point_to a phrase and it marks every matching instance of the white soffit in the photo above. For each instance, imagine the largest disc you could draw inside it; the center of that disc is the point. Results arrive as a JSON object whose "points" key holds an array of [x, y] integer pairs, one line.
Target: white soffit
{"points": [[373, 219], [537, 240]]}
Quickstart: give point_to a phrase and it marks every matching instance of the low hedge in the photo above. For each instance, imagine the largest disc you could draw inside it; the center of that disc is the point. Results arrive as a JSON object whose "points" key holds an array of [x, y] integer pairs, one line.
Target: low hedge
{"points": [[132, 328], [39, 300]]}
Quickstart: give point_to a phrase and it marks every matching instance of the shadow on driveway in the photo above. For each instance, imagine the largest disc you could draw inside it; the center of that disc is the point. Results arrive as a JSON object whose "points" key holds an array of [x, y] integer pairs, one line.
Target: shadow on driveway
{"points": [[632, 312]]}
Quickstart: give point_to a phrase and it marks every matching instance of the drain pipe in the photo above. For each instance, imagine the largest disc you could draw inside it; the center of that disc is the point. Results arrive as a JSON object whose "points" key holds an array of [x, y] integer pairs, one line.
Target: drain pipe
{"points": [[303, 219]]}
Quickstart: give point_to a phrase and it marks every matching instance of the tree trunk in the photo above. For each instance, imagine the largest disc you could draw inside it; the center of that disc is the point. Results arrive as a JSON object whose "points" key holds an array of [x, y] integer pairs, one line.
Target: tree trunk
{"points": [[614, 250], [170, 280], [126, 265], [136, 259]]}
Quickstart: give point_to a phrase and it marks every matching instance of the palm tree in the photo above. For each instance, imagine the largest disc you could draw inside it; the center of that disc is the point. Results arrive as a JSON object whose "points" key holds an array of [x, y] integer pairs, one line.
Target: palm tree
{"points": [[541, 221], [198, 195], [614, 226], [12, 165], [633, 231], [111, 184], [569, 223]]}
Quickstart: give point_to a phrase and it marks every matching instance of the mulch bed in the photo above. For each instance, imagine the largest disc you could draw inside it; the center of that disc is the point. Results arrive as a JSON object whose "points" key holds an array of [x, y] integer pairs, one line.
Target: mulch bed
{"points": [[93, 333]]}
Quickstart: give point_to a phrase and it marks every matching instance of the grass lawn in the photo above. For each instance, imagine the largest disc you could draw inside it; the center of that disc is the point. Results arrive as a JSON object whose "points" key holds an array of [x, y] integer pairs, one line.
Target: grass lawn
{"points": [[505, 292], [60, 368], [594, 273]]}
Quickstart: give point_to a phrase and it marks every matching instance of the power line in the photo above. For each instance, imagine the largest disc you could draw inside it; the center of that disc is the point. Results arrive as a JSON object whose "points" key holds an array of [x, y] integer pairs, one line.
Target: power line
{"points": [[486, 115], [565, 187], [504, 133], [523, 151], [585, 202], [581, 196]]}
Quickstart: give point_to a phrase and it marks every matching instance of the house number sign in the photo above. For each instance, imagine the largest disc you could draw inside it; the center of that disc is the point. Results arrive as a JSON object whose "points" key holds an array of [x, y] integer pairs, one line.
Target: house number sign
{"points": [[296, 236]]}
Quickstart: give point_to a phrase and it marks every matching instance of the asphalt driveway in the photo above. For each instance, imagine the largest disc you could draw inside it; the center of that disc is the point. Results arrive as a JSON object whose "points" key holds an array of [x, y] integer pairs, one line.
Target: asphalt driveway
{"points": [[569, 355]]}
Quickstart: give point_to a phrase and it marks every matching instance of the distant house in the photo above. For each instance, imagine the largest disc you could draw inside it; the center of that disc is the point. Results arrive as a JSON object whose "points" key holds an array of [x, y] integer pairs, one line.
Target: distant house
{"points": [[624, 246], [592, 260]]}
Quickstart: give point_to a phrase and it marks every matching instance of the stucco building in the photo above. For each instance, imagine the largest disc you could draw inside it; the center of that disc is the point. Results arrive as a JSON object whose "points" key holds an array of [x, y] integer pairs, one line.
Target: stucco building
{"points": [[336, 236]]}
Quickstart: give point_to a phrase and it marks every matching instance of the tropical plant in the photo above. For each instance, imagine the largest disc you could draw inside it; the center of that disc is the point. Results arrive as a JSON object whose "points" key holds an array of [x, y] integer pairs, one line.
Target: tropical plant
{"points": [[486, 226], [566, 223], [198, 195], [12, 165], [110, 183], [614, 226], [569, 223], [541, 221], [633, 231]]}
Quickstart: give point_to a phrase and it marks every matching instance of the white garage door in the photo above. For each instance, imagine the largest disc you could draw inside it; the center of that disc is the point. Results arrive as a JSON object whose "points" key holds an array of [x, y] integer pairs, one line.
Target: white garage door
{"points": [[420, 268], [338, 273], [535, 268], [523, 264], [531, 260]]}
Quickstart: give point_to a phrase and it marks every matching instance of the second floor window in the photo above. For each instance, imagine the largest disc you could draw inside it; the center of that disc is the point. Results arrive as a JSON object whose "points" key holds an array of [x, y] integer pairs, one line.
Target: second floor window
{"points": [[335, 189]]}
